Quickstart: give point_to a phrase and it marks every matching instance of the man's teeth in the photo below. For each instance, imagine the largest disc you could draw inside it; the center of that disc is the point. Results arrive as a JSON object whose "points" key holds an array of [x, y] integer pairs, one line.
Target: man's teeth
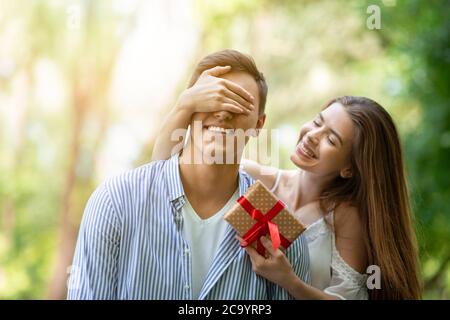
{"points": [[309, 153], [221, 130]]}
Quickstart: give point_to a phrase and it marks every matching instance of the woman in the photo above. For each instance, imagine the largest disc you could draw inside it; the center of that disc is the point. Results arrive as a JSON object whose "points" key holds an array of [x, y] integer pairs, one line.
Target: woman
{"points": [[349, 189]]}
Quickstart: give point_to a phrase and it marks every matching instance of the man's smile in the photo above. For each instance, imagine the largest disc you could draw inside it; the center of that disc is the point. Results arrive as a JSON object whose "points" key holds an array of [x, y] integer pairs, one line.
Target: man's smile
{"points": [[222, 130]]}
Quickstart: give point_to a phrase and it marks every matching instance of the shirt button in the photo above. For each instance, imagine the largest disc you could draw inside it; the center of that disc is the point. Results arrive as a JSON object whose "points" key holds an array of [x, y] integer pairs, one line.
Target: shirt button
{"points": [[178, 217], [186, 252], [187, 286]]}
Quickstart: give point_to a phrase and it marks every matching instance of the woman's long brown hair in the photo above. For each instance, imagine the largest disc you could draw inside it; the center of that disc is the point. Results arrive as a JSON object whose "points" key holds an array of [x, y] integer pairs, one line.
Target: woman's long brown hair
{"points": [[378, 189]]}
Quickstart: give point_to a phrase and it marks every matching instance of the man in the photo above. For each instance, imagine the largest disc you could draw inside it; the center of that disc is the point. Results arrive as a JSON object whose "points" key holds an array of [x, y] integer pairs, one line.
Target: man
{"points": [[157, 232]]}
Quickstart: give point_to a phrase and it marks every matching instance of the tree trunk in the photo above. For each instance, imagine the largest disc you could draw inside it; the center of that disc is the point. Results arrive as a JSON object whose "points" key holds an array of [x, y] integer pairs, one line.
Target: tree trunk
{"points": [[98, 76], [68, 229]]}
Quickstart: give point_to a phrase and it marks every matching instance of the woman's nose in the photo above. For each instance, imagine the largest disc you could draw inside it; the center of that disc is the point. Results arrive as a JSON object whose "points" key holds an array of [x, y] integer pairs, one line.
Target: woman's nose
{"points": [[223, 115], [313, 136]]}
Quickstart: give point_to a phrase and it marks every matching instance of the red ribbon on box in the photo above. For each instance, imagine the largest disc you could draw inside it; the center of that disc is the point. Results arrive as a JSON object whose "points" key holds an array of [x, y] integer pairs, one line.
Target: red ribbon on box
{"points": [[263, 226]]}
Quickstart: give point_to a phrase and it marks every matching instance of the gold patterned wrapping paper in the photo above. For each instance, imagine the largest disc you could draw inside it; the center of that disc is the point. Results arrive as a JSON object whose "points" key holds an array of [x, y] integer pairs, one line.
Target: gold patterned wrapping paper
{"points": [[263, 200]]}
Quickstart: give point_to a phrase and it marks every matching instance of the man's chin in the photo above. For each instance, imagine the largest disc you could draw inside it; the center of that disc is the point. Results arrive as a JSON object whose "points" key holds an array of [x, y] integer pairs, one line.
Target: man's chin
{"points": [[219, 155], [209, 153]]}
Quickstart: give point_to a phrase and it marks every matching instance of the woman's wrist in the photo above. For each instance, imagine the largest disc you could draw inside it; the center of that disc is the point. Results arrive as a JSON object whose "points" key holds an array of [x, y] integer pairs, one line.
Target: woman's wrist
{"points": [[184, 104], [290, 281]]}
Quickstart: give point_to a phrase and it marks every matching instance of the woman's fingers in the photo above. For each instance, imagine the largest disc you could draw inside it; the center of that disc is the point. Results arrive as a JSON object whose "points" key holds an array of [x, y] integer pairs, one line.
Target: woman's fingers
{"points": [[221, 93], [242, 241], [264, 240], [231, 107], [268, 245], [237, 89], [229, 101], [235, 97], [217, 71], [255, 257]]}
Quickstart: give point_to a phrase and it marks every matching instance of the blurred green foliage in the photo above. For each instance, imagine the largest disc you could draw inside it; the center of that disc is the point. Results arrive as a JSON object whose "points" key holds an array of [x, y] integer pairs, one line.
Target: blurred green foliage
{"points": [[420, 36], [310, 51]]}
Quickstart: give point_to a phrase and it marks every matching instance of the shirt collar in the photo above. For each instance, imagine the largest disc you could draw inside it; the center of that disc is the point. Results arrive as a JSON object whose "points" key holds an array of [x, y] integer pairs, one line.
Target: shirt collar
{"points": [[243, 183], [173, 179]]}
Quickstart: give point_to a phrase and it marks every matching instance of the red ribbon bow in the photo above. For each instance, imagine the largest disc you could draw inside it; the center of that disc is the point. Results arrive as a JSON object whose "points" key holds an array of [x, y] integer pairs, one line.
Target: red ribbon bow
{"points": [[263, 226]]}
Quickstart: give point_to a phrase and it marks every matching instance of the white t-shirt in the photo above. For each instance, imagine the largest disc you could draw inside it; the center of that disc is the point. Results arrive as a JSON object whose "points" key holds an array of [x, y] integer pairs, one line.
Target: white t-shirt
{"points": [[204, 236]]}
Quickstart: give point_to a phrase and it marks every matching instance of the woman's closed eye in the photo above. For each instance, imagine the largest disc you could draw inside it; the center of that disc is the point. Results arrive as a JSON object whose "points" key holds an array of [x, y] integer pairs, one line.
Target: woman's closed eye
{"points": [[330, 140]]}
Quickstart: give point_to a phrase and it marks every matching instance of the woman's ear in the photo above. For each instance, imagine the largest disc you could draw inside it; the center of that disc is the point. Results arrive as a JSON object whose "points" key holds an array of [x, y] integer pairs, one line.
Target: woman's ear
{"points": [[346, 173]]}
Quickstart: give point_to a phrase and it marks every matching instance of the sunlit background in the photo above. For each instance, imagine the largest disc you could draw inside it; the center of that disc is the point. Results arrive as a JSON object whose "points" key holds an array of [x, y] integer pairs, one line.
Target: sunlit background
{"points": [[84, 86]]}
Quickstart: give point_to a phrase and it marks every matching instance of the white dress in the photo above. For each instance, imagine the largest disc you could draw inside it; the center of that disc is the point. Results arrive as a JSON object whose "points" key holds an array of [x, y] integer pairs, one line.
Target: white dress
{"points": [[329, 271]]}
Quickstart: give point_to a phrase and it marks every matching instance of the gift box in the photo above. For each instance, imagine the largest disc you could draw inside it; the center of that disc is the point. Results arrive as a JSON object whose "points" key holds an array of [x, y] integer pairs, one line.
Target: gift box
{"points": [[260, 213]]}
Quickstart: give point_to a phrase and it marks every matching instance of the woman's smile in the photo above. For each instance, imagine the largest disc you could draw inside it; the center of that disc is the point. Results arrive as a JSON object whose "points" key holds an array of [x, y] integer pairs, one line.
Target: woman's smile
{"points": [[306, 151]]}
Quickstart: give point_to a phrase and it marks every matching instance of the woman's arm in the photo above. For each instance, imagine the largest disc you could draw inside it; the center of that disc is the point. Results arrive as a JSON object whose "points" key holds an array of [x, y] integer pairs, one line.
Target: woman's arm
{"points": [[209, 94], [350, 237], [277, 269], [178, 118], [349, 243], [302, 291]]}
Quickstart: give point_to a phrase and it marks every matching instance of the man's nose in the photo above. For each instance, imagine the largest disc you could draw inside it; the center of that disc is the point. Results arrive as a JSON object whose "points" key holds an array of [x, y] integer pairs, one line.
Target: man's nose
{"points": [[223, 115]]}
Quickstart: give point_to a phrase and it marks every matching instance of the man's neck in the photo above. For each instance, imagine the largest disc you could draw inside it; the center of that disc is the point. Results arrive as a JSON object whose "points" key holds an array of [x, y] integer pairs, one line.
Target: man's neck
{"points": [[208, 187]]}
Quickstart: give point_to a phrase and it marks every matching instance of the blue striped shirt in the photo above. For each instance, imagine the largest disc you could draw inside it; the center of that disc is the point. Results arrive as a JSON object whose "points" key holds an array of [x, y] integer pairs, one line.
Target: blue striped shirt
{"points": [[130, 245]]}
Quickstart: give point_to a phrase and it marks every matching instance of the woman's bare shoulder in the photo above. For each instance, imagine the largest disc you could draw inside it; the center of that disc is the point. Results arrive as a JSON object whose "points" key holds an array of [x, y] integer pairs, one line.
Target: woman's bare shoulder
{"points": [[266, 174]]}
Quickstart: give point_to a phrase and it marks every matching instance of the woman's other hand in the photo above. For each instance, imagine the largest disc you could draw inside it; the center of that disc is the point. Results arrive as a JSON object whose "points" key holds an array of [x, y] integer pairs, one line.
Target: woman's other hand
{"points": [[275, 268]]}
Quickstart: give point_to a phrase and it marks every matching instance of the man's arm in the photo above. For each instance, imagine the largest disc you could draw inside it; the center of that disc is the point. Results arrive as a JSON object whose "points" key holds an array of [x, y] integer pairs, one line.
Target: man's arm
{"points": [[94, 269]]}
